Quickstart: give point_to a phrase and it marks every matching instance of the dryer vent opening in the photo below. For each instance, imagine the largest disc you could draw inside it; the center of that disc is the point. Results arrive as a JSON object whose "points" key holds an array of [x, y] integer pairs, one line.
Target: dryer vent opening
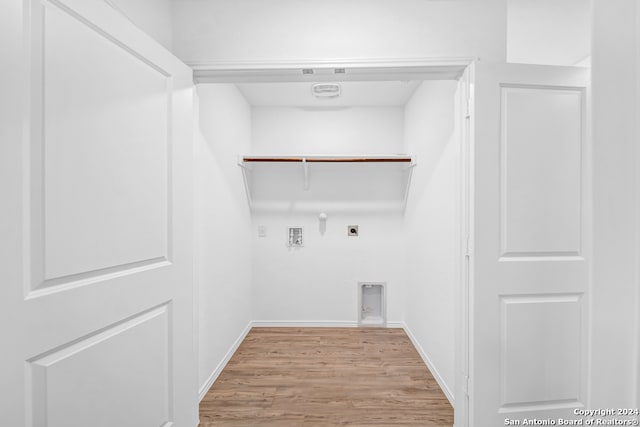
{"points": [[371, 304]]}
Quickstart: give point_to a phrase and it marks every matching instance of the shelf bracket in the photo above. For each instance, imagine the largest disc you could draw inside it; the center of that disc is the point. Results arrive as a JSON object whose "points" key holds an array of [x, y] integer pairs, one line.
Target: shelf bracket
{"points": [[412, 165], [243, 167], [305, 167]]}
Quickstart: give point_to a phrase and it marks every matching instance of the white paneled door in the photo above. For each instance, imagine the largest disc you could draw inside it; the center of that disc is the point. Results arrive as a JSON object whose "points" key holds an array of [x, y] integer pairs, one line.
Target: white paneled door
{"points": [[96, 278], [530, 291]]}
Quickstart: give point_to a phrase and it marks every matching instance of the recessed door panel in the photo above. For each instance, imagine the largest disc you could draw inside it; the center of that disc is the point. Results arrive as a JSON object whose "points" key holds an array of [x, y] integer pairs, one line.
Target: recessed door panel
{"points": [[105, 148], [541, 163], [79, 384], [541, 349]]}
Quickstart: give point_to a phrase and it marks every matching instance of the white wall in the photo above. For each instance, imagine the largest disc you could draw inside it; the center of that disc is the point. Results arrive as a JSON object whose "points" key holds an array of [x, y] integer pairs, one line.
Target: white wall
{"points": [[154, 17], [208, 31], [615, 282], [432, 223], [550, 32], [223, 225], [318, 282], [352, 130]]}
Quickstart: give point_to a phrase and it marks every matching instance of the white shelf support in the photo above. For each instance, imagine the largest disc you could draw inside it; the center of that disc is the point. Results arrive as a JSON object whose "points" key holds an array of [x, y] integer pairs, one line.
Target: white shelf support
{"points": [[412, 165], [247, 191], [305, 167]]}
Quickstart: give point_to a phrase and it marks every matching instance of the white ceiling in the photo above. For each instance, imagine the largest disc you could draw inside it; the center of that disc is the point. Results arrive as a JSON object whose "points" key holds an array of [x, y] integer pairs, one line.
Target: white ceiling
{"points": [[353, 93]]}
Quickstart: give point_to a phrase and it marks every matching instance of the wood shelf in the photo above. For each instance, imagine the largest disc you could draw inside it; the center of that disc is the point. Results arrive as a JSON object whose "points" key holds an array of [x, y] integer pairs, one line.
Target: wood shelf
{"points": [[331, 159], [347, 182]]}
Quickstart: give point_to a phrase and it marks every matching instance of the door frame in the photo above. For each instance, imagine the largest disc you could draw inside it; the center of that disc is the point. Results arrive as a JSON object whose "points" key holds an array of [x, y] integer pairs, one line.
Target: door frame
{"points": [[458, 69]]}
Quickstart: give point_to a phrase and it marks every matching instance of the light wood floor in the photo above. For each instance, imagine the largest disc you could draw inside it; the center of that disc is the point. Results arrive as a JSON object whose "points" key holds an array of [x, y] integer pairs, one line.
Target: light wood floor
{"points": [[325, 377]]}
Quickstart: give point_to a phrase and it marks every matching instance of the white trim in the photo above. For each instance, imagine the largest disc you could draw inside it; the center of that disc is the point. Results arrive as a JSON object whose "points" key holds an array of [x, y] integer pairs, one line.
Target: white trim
{"points": [[462, 358], [425, 358], [324, 70], [305, 324], [368, 63], [197, 221], [465, 328], [216, 372], [396, 325], [317, 324]]}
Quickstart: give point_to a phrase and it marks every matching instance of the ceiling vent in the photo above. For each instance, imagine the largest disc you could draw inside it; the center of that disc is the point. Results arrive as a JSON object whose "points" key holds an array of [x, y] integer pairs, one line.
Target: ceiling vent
{"points": [[325, 90]]}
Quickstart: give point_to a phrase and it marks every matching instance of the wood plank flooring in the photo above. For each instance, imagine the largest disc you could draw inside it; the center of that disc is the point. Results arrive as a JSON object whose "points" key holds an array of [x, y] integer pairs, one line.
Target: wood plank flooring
{"points": [[326, 377]]}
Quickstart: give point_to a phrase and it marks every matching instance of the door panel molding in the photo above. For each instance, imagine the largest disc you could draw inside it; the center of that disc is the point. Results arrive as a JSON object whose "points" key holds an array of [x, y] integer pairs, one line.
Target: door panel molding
{"points": [[542, 145], [60, 381], [542, 333], [61, 284], [48, 256]]}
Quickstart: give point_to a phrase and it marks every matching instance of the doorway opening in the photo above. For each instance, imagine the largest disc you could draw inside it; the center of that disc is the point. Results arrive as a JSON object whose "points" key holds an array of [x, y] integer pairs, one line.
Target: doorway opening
{"points": [[327, 164]]}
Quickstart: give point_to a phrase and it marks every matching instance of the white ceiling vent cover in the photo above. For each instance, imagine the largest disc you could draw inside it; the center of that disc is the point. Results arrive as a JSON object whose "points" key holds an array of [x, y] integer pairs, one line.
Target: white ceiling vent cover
{"points": [[325, 90]]}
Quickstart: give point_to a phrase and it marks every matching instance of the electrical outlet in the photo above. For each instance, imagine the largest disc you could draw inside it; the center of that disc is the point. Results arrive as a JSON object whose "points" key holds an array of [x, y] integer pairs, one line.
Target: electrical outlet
{"points": [[352, 230], [262, 231]]}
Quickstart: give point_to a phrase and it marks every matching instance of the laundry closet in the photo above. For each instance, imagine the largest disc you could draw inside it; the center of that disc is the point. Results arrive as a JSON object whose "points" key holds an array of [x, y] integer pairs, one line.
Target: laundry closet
{"points": [[339, 208]]}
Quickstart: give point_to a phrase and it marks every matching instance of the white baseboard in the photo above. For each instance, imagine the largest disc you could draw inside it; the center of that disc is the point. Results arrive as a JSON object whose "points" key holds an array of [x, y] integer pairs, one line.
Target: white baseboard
{"points": [[316, 324], [443, 386], [304, 324], [216, 372], [396, 325]]}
